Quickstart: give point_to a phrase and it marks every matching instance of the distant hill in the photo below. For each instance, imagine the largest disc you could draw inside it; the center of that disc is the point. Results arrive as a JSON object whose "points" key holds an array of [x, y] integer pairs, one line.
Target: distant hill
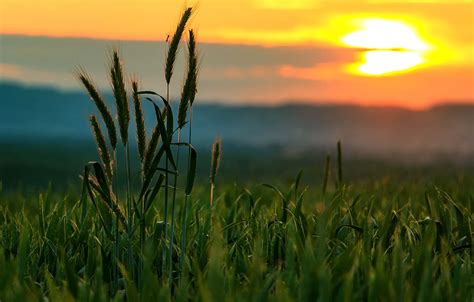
{"points": [[37, 113]]}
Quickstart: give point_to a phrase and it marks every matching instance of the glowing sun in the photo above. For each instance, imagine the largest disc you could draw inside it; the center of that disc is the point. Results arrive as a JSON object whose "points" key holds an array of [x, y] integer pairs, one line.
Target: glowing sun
{"points": [[388, 47]]}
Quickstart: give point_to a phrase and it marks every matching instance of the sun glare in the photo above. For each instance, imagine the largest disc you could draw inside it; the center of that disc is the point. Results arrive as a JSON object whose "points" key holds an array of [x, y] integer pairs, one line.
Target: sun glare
{"points": [[379, 62], [389, 47]]}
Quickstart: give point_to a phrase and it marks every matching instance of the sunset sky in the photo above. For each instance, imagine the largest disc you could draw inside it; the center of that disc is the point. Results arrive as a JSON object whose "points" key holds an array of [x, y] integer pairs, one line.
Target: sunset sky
{"points": [[411, 53]]}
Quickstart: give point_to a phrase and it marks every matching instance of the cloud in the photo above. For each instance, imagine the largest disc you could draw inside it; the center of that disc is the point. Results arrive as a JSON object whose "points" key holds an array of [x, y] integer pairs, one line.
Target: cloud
{"points": [[320, 72], [290, 36], [35, 76], [10, 71], [38, 59], [236, 72]]}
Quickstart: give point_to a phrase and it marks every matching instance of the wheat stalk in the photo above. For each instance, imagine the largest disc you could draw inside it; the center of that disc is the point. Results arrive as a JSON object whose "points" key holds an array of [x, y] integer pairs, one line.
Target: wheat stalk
{"points": [[170, 58], [187, 98], [121, 99]]}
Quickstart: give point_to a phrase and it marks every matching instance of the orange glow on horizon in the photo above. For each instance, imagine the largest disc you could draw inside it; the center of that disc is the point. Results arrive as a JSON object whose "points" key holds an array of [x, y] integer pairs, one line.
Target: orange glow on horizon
{"points": [[339, 46]]}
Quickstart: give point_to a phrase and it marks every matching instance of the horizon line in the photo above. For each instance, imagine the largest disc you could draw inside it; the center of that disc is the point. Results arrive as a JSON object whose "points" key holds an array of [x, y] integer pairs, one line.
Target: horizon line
{"points": [[142, 40], [289, 102]]}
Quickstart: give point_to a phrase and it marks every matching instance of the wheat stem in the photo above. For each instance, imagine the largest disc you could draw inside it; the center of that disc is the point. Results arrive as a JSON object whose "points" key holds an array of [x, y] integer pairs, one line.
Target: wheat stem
{"points": [[186, 196], [173, 210], [129, 207], [165, 229]]}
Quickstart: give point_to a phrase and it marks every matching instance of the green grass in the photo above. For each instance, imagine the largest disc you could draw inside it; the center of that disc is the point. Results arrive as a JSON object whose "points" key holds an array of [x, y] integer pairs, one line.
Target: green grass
{"points": [[377, 241]]}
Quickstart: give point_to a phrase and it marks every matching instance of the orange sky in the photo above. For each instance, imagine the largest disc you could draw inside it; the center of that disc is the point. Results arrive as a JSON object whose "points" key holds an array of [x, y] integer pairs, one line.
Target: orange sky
{"points": [[219, 20], [441, 47]]}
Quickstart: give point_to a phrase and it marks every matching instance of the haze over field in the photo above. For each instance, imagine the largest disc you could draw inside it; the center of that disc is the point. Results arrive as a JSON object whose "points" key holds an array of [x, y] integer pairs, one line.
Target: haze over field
{"points": [[395, 133]]}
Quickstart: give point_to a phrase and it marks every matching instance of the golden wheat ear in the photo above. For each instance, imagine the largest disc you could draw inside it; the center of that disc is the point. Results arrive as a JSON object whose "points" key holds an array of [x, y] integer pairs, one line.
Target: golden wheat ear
{"points": [[193, 60], [139, 121], [98, 100], [216, 157], [189, 87], [120, 94], [215, 160], [102, 147], [173, 46], [150, 150]]}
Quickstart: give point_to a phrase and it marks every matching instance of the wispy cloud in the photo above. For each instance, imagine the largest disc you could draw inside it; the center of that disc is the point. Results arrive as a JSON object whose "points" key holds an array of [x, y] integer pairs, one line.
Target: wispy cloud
{"points": [[321, 72], [236, 72], [29, 75], [10, 71]]}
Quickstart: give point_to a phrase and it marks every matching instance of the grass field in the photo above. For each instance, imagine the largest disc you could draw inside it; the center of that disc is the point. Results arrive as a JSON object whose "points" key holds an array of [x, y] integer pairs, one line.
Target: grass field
{"points": [[146, 226], [380, 241]]}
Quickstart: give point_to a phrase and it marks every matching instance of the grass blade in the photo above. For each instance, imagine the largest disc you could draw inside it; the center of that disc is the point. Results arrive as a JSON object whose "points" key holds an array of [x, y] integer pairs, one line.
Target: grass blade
{"points": [[164, 133], [151, 197]]}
